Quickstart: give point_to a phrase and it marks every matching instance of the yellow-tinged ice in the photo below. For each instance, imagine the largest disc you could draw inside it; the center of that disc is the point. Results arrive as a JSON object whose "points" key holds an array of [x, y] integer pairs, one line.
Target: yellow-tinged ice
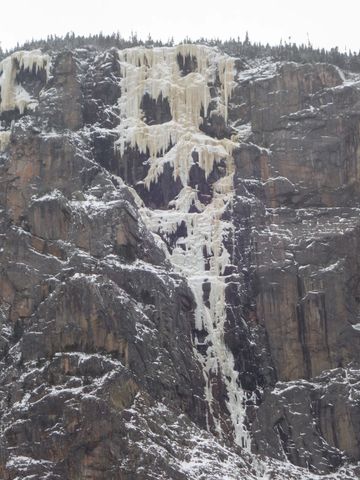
{"points": [[200, 255], [156, 72], [13, 95]]}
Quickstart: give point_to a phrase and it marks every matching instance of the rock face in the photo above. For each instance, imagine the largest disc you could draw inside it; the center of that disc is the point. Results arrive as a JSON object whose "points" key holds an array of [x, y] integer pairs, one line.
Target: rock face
{"points": [[301, 203], [198, 322]]}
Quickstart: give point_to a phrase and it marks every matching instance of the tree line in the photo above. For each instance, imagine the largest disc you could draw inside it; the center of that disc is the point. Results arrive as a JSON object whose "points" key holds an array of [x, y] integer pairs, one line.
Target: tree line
{"points": [[284, 51]]}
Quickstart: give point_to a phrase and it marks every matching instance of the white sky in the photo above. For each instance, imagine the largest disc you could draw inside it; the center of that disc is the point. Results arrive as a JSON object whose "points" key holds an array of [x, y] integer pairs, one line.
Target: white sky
{"points": [[328, 23]]}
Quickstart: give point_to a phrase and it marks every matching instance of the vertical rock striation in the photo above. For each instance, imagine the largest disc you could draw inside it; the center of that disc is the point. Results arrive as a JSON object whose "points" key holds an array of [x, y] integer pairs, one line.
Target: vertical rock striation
{"points": [[179, 276]]}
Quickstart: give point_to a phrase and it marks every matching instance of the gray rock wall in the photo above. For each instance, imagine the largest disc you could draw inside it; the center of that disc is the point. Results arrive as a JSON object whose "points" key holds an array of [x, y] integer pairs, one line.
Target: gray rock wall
{"points": [[98, 374]]}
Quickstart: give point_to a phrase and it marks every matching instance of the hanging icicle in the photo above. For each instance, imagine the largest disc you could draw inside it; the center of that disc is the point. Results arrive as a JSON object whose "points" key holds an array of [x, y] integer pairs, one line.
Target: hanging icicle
{"points": [[201, 255], [13, 95]]}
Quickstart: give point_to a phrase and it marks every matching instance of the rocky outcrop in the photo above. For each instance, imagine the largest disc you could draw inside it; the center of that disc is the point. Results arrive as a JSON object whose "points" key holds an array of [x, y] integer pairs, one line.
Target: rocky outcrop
{"points": [[299, 191], [104, 365], [91, 313]]}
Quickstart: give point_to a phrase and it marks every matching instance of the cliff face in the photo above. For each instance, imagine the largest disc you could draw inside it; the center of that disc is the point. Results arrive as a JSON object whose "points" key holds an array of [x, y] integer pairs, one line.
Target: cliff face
{"points": [[303, 260], [179, 278]]}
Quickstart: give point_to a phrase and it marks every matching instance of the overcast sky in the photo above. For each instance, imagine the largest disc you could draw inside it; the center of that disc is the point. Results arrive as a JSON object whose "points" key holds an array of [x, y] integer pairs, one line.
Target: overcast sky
{"points": [[326, 23]]}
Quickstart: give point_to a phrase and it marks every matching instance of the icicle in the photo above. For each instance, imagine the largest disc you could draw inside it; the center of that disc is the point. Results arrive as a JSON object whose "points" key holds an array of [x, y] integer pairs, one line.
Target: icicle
{"points": [[226, 77], [156, 72], [4, 139], [14, 95], [201, 255]]}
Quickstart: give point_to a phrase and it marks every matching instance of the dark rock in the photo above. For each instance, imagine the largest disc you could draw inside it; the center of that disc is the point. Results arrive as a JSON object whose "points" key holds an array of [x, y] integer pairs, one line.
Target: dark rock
{"points": [[98, 374]]}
